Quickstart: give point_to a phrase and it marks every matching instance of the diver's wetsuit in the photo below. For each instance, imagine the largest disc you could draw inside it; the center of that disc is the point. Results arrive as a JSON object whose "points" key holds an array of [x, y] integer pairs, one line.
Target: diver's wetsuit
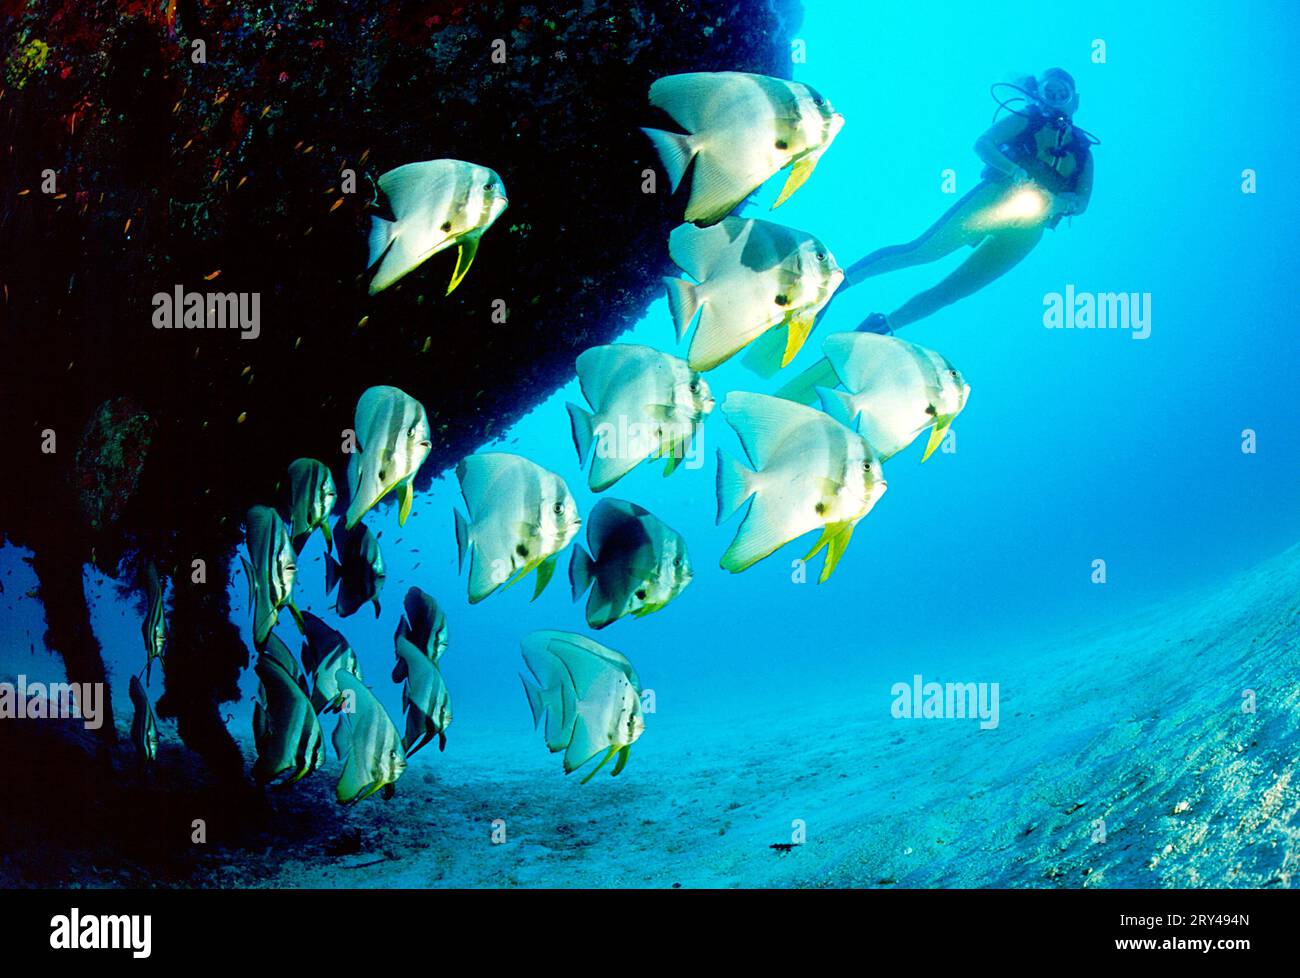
{"points": [[1057, 160]]}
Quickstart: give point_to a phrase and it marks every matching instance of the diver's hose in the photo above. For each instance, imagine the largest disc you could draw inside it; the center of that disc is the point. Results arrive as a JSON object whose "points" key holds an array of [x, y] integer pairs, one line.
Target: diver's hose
{"points": [[1027, 97]]}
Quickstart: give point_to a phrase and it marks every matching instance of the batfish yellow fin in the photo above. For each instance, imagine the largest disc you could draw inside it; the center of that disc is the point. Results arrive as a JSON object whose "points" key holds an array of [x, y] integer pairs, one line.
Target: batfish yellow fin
{"points": [[465, 253], [837, 545], [800, 172], [545, 571], [608, 754], [622, 761], [408, 497], [799, 328], [297, 617], [828, 531], [941, 424]]}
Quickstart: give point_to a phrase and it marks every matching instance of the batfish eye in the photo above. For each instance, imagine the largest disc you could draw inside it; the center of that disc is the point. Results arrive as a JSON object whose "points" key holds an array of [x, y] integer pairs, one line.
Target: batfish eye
{"points": [[488, 185], [558, 508], [821, 256], [782, 299], [952, 373], [640, 595], [782, 144], [866, 466], [446, 225], [695, 386]]}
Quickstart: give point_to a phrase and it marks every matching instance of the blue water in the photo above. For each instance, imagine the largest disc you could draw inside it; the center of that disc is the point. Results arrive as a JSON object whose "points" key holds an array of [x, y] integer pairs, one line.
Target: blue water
{"points": [[1075, 446]]}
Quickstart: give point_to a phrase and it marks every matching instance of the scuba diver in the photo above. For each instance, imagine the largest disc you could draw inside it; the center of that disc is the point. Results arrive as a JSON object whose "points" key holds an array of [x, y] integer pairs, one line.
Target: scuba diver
{"points": [[1038, 169]]}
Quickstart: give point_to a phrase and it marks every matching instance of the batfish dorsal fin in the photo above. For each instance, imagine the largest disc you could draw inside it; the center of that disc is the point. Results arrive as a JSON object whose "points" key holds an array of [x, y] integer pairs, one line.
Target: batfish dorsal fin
{"points": [[700, 251], [764, 423], [411, 187]]}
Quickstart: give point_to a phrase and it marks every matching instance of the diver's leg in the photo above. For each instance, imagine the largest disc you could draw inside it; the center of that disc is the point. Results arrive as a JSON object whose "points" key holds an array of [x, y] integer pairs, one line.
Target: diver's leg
{"points": [[995, 256], [941, 239]]}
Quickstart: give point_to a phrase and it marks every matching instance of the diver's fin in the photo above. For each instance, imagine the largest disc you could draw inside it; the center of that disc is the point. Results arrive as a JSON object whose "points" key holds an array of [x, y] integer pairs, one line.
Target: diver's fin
{"points": [[764, 355], [803, 389], [468, 248]]}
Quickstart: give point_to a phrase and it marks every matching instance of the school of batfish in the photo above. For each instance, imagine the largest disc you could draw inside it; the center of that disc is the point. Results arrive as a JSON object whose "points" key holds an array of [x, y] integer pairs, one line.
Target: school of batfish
{"points": [[749, 285]]}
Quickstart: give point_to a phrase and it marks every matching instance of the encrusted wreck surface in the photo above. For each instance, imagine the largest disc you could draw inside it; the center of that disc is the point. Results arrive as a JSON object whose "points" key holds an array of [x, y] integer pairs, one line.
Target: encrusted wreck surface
{"points": [[130, 166]]}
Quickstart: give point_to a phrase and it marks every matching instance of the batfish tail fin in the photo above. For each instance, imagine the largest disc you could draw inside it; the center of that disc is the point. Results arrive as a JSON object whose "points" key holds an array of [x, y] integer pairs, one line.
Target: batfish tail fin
{"points": [[583, 431], [581, 570], [675, 152], [735, 485], [683, 303]]}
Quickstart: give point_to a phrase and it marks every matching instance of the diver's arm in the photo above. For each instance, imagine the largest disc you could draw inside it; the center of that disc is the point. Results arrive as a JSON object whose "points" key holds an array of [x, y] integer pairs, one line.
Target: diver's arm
{"points": [[1083, 186], [989, 146]]}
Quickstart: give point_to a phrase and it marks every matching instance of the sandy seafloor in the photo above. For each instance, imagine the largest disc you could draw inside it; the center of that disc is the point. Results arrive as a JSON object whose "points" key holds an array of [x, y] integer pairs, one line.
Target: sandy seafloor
{"points": [[1139, 725]]}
